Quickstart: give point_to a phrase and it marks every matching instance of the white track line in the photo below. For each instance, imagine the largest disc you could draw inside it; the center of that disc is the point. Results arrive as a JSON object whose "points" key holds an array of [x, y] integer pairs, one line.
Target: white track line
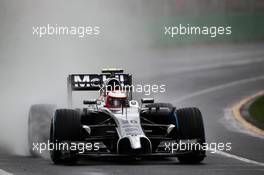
{"points": [[231, 124], [218, 65], [239, 158], [2, 172], [219, 87]]}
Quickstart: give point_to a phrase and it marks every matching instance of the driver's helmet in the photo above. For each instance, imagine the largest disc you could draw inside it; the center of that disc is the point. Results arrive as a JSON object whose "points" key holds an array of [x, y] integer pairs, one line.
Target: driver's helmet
{"points": [[116, 99]]}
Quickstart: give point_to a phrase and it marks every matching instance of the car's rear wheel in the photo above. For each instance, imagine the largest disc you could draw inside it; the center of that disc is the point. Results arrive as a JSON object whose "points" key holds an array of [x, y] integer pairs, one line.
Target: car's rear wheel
{"points": [[191, 127], [65, 126]]}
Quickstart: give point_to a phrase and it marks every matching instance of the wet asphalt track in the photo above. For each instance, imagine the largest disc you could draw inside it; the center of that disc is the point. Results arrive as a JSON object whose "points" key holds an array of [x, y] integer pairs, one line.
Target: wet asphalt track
{"points": [[212, 78]]}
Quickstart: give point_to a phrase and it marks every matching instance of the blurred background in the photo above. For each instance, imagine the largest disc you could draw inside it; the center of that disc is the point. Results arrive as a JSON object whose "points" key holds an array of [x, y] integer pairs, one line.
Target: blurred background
{"points": [[34, 70]]}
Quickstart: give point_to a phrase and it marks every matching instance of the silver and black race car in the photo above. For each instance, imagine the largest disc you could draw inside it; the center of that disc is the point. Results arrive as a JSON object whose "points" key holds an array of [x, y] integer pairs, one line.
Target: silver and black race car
{"points": [[117, 125]]}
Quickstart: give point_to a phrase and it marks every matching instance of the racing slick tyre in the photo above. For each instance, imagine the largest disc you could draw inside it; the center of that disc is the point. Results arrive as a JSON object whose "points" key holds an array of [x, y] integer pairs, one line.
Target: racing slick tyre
{"points": [[65, 126], [39, 126], [191, 126]]}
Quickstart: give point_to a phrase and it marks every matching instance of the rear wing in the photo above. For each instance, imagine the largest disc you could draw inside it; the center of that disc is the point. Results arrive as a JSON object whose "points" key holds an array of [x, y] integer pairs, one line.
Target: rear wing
{"points": [[94, 82]]}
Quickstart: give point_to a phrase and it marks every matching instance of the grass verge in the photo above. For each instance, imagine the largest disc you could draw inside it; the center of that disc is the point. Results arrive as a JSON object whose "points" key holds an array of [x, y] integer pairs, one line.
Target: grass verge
{"points": [[256, 109]]}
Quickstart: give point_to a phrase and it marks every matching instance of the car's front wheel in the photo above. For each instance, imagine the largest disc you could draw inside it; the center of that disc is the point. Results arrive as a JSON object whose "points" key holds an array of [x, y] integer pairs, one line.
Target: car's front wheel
{"points": [[191, 127], [65, 126]]}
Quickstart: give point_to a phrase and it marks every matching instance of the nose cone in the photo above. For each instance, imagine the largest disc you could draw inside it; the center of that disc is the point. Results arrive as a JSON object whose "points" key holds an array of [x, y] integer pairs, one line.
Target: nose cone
{"points": [[134, 145], [135, 142]]}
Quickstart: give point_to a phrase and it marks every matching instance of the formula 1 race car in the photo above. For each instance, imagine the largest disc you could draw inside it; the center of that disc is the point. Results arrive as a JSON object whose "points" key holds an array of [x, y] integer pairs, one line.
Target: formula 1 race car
{"points": [[117, 125]]}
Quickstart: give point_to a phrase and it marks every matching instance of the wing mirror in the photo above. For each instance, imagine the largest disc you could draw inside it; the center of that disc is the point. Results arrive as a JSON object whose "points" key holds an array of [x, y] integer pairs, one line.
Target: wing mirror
{"points": [[147, 100], [89, 102], [170, 128]]}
